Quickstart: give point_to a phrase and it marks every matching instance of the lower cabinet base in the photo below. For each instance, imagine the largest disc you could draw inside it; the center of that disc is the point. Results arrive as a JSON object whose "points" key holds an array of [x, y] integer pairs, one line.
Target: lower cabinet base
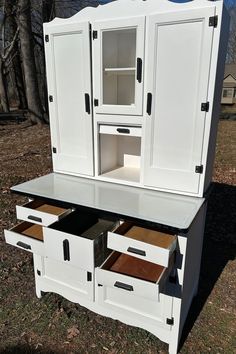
{"points": [[46, 281]]}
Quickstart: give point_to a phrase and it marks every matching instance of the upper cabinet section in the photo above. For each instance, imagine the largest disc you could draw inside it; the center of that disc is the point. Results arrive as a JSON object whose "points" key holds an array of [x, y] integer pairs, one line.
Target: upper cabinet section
{"points": [[118, 50]]}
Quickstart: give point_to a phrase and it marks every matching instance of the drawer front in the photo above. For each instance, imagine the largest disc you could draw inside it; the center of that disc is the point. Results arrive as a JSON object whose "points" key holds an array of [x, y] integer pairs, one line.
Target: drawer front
{"points": [[140, 309], [139, 249], [73, 277], [120, 130], [15, 238], [40, 213], [70, 249], [126, 284]]}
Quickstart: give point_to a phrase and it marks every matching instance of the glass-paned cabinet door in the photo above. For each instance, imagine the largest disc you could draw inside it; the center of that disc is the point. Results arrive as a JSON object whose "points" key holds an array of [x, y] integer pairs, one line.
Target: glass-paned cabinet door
{"points": [[118, 66]]}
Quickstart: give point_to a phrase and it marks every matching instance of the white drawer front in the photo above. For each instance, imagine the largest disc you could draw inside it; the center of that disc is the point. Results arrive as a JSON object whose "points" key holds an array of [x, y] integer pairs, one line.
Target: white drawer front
{"points": [[15, 238], [71, 249], [73, 277], [140, 309], [140, 249], [126, 284], [40, 213], [120, 130]]}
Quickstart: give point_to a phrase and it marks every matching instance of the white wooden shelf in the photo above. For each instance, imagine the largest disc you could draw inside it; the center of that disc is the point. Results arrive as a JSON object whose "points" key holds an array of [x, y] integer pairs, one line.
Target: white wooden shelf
{"points": [[120, 71], [131, 174]]}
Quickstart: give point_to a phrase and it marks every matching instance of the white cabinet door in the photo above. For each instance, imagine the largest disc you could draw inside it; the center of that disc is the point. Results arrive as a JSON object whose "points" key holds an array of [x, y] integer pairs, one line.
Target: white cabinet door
{"points": [[179, 55], [69, 83], [118, 48]]}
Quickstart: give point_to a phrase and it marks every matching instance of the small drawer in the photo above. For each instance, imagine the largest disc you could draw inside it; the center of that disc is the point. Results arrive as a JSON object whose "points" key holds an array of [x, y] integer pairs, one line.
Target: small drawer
{"points": [[132, 275], [149, 245], [26, 236], [41, 213], [120, 130], [79, 239]]}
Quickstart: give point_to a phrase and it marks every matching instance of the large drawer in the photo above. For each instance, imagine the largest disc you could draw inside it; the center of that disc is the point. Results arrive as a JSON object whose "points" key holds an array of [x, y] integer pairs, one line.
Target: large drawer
{"points": [[26, 236], [149, 245], [79, 239], [41, 213], [132, 275]]}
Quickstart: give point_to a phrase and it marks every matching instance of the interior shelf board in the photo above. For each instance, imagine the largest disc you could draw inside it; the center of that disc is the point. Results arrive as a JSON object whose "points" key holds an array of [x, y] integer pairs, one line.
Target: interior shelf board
{"points": [[131, 174], [120, 71]]}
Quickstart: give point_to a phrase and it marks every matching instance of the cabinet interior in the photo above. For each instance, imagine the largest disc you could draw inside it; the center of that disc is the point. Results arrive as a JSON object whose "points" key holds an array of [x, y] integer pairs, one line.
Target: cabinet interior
{"points": [[119, 66], [120, 157]]}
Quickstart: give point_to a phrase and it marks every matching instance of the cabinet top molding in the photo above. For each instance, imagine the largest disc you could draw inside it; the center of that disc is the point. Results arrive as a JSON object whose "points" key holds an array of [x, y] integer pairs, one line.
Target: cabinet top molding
{"points": [[132, 8]]}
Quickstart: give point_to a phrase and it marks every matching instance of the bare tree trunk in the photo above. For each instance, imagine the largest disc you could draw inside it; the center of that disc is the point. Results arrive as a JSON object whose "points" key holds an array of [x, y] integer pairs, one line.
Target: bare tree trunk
{"points": [[3, 90], [16, 62], [28, 61]]}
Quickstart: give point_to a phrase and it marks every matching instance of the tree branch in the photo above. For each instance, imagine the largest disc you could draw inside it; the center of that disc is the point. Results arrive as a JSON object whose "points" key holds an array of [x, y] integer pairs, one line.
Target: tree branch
{"points": [[11, 47]]}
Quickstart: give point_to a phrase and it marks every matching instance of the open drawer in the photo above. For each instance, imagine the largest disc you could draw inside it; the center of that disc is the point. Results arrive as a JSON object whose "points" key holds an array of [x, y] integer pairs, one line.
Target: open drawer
{"points": [[79, 239], [149, 245], [26, 236], [132, 275], [41, 213]]}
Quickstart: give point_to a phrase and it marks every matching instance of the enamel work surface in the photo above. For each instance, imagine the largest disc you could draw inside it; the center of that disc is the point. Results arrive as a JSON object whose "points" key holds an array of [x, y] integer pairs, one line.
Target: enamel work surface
{"points": [[163, 208]]}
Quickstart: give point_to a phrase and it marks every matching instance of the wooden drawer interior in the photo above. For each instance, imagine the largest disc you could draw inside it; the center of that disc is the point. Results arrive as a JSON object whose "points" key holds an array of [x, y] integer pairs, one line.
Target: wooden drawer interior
{"points": [[134, 267], [29, 230], [40, 205], [152, 237]]}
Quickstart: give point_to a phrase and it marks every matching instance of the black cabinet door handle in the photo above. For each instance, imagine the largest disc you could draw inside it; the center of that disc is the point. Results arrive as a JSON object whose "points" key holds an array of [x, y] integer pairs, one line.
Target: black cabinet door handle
{"points": [[136, 251], [34, 218], [139, 69], [123, 130], [123, 286], [149, 104], [66, 250], [87, 103], [24, 245]]}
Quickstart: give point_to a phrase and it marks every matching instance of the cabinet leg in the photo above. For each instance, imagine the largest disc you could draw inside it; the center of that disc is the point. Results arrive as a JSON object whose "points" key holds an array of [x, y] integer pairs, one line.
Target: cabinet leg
{"points": [[38, 293], [173, 346]]}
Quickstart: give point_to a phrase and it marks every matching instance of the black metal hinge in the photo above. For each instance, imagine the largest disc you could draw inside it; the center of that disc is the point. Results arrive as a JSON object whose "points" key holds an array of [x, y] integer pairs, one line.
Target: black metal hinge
{"points": [[96, 102], [50, 98], [205, 107], [95, 34], [199, 169], [170, 321], [89, 276], [46, 38], [54, 150], [213, 21]]}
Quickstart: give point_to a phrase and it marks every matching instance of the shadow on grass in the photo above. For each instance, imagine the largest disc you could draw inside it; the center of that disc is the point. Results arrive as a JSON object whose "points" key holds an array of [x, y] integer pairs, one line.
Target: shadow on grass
{"points": [[219, 247]]}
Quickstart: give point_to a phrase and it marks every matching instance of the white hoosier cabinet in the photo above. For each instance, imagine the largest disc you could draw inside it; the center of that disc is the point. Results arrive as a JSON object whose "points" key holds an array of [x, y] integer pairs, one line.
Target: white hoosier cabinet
{"points": [[134, 94]]}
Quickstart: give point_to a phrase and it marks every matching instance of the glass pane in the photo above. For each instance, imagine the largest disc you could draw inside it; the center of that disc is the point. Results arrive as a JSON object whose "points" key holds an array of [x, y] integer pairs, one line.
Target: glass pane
{"points": [[119, 66]]}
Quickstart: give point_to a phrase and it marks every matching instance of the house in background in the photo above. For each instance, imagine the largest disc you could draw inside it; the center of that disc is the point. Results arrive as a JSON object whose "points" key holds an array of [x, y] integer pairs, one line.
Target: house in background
{"points": [[228, 100]]}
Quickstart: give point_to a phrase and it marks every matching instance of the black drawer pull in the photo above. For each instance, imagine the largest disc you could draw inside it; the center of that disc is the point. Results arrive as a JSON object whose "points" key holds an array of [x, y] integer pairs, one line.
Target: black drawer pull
{"points": [[123, 130], [87, 103], [66, 250], [123, 286], [149, 104], [23, 245], [139, 69], [34, 218], [136, 251]]}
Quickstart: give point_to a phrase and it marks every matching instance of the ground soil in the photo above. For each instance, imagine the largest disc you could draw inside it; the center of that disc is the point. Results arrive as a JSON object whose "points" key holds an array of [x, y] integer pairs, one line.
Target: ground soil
{"points": [[54, 325]]}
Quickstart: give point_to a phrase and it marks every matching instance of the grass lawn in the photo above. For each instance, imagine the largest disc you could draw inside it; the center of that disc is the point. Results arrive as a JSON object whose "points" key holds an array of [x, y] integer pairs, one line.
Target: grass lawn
{"points": [[54, 325]]}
